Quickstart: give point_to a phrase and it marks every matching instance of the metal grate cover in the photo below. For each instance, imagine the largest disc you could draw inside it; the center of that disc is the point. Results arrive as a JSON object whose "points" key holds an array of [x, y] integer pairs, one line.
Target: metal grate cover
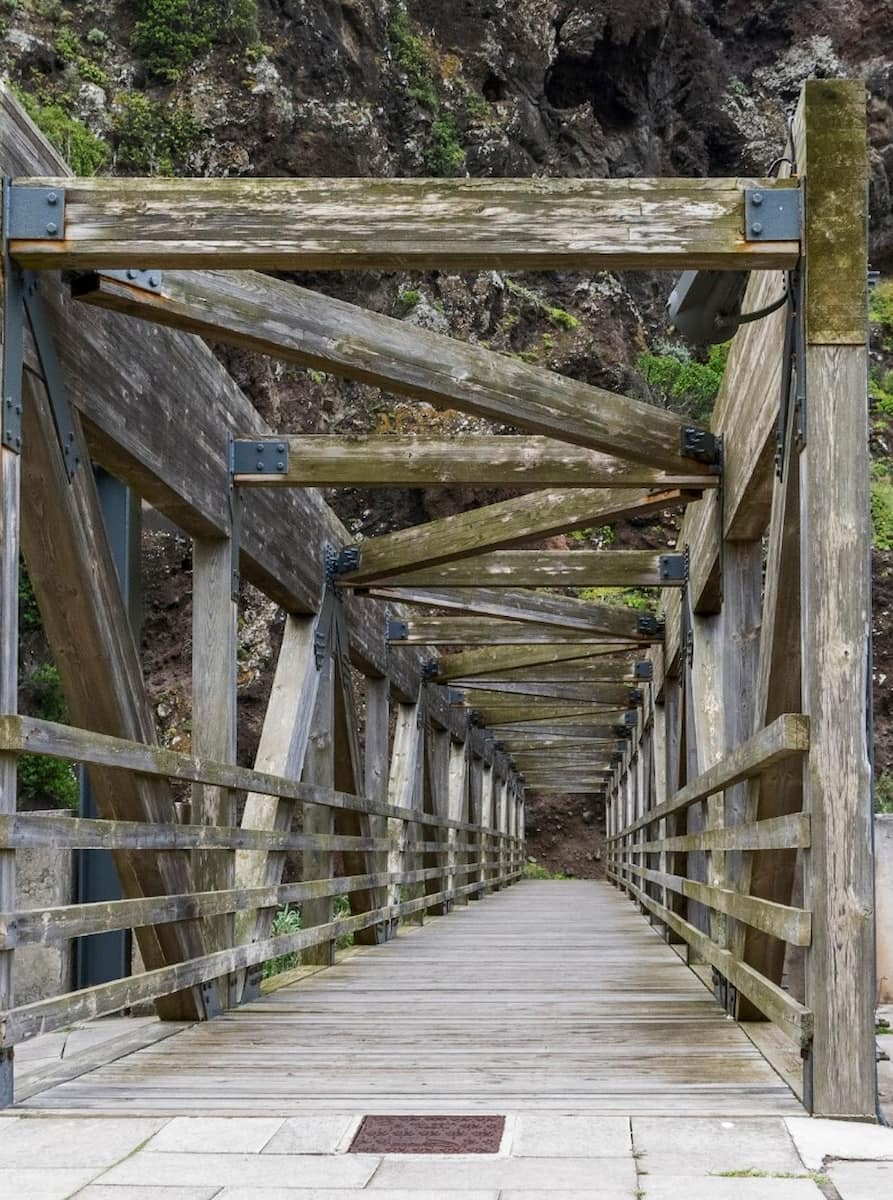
{"points": [[428, 1135]]}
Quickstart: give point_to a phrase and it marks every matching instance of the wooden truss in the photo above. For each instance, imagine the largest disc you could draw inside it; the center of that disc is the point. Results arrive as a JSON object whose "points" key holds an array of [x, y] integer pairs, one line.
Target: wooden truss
{"points": [[724, 732]]}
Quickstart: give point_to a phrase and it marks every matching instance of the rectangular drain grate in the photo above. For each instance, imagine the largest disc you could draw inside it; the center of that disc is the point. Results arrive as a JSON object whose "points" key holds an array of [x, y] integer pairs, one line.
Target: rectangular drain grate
{"points": [[428, 1135]]}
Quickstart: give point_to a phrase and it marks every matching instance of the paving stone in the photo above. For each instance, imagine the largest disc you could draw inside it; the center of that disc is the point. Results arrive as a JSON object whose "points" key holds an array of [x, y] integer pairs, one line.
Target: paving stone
{"points": [[862, 1180], [574, 1135], [689, 1187], [701, 1146], [215, 1135], [352, 1194], [313, 1135], [74, 1142], [99, 1191], [818, 1139], [243, 1170], [23, 1183], [527, 1174]]}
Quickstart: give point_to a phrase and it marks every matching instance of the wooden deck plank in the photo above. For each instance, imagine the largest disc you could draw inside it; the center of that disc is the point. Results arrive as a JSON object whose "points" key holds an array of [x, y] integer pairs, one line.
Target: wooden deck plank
{"points": [[547, 994]]}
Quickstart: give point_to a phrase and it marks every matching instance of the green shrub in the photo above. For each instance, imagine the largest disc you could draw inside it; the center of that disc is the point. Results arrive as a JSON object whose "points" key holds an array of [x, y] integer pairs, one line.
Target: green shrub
{"points": [[880, 391], [681, 381], [84, 152], [287, 920], [444, 155], [150, 136], [412, 56], [409, 298], [46, 781], [883, 792], [535, 871], [29, 613], [880, 311], [882, 507], [171, 34], [622, 597]]}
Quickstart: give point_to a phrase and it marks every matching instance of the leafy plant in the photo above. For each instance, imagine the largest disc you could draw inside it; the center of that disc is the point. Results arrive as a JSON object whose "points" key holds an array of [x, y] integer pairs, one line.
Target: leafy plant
{"points": [[409, 298], [681, 381], [883, 792], [171, 34], [44, 780], [880, 311], [535, 871], [413, 57], [84, 152], [287, 920], [444, 155], [881, 506], [151, 136], [622, 597], [880, 391]]}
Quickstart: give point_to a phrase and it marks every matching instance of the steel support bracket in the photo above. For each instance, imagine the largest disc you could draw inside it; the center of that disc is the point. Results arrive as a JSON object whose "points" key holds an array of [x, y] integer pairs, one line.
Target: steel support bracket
{"points": [[259, 456], [636, 697], [644, 671], [674, 567], [324, 633], [52, 373], [135, 277], [429, 669], [13, 359], [235, 524], [35, 214], [651, 626], [631, 718], [701, 446], [396, 631], [775, 215]]}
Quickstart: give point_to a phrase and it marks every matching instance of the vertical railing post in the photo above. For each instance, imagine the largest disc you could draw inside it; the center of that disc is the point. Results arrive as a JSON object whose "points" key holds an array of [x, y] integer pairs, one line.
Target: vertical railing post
{"points": [[319, 768], [375, 751], [830, 147]]}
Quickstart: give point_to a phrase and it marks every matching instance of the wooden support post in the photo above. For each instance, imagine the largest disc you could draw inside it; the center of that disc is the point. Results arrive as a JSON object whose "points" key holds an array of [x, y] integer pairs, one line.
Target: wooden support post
{"points": [[475, 808], [437, 792], [214, 722], [487, 842], [10, 473], [319, 768], [402, 789], [457, 811], [831, 152], [378, 695], [283, 745]]}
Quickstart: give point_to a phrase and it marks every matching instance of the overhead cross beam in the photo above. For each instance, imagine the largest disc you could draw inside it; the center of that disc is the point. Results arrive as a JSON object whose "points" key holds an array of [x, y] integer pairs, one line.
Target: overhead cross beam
{"points": [[483, 631], [405, 224], [329, 335], [485, 662], [544, 568], [508, 523], [394, 460]]}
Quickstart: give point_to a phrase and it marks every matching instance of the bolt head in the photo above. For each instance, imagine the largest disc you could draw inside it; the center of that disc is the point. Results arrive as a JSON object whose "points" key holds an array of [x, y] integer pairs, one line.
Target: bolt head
{"points": [[154, 281], [131, 274], [757, 198], [757, 227], [52, 198], [52, 228]]}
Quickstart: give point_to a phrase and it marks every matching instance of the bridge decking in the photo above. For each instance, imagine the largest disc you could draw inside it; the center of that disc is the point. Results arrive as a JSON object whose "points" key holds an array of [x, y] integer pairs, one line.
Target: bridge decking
{"points": [[546, 995]]}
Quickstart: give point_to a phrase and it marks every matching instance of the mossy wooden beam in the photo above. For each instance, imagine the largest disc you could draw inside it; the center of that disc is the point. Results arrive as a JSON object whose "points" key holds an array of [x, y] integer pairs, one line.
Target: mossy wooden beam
{"points": [[416, 460], [542, 568], [273, 317], [483, 662], [488, 692], [498, 526], [405, 224], [609, 621], [483, 631], [597, 669]]}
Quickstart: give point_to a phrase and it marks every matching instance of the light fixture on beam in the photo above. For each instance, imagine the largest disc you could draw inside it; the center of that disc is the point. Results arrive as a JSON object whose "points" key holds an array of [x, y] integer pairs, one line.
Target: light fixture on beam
{"points": [[705, 306]]}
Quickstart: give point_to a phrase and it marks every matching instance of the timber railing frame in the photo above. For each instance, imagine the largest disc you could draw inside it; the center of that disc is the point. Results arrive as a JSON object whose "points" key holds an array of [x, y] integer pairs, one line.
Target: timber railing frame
{"points": [[686, 726]]}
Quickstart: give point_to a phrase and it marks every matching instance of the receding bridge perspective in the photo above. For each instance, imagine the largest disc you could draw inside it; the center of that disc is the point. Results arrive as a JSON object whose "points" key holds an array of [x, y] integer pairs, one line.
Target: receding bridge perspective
{"points": [[431, 679]]}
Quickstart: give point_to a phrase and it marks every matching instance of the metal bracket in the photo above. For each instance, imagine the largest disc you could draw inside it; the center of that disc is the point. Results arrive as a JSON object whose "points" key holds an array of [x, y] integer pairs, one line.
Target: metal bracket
{"points": [[396, 631], [622, 731], [13, 359], [210, 993], [253, 977], [674, 567], [616, 757], [35, 214], [260, 456], [702, 446], [454, 697], [52, 374], [145, 280], [631, 718], [651, 626], [775, 215], [429, 669], [474, 717], [235, 524], [635, 696], [644, 671]]}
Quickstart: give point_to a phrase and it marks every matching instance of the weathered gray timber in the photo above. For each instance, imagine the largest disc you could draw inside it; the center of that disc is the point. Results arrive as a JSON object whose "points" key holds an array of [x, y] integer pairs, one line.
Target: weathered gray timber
{"points": [[10, 477], [536, 568], [488, 631], [416, 460], [403, 224], [509, 523]]}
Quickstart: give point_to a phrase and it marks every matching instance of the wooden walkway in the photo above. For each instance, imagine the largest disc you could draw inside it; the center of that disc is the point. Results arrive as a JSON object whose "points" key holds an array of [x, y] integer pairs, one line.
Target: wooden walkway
{"points": [[549, 995]]}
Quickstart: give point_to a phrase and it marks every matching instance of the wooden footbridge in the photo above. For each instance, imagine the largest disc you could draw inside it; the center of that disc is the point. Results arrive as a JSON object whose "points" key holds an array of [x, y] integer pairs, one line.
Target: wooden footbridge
{"points": [[429, 678]]}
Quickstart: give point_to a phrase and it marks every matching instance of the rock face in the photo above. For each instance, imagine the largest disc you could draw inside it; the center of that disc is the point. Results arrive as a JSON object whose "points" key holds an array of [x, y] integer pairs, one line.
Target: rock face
{"points": [[338, 88]]}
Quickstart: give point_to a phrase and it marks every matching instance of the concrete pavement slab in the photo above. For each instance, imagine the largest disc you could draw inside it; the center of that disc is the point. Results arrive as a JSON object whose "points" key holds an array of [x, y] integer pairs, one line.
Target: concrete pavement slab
{"points": [[243, 1170], [313, 1135], [63, 1142], [818, 1139], [215, 1135], [99, 1191], [36, 1183], [521, 1174], [350, 1194], [689, 1187], [706, 1145], [862, 1180], [572, 1135]]}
